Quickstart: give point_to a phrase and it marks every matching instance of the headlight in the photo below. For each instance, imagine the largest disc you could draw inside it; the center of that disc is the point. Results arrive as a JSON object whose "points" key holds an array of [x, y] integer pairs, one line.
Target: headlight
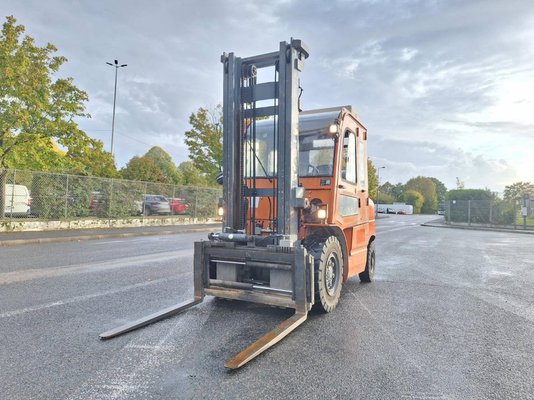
{"points": [[321, 213], [220, 211]]}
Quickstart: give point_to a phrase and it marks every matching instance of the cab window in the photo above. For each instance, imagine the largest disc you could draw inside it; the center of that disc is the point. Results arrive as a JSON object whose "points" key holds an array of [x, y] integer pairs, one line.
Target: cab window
{"points": [[348, 157]]}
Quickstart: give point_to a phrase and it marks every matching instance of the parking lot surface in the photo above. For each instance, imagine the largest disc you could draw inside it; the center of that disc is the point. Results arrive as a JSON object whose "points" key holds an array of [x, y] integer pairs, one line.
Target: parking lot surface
{"points": [[449, 316]]}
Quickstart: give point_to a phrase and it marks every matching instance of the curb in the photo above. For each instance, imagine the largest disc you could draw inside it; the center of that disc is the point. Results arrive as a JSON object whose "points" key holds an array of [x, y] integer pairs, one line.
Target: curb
{"points": [[477, 228], [16, 242]]}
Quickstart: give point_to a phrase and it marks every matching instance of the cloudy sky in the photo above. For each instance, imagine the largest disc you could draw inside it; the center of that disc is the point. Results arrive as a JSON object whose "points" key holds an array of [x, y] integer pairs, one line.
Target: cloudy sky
{"points": [[445, 88]]}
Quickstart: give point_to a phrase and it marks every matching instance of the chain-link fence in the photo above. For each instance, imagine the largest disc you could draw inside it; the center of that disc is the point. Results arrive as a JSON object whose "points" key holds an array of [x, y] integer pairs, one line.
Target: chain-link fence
{"points": [[498, 213], [48, 196]]}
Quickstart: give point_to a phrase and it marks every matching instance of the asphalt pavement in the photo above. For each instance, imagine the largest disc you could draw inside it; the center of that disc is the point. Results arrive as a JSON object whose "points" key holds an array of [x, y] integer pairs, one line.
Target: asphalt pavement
{"points": [[449, 316]]}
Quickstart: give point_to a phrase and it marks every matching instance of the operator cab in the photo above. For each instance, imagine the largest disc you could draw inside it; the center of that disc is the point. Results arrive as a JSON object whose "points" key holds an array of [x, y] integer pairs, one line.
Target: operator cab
{"points": [[316, 147]]}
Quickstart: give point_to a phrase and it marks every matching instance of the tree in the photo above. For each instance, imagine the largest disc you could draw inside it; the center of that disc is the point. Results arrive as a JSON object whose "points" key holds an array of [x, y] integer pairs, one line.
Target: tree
{"points": [[426, 187], [372, 178], [386, 188], [516, 191], [86, 156], [42, 154], [469, 194], [397, 191], [190, 174], [34, 105], [164, 162], [144, 169], [415, 199], [204, 141], [384, 198], [441, 189]]}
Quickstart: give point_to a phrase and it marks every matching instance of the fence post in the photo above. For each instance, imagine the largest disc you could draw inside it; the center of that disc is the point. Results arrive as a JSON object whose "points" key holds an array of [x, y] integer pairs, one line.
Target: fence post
{"points": [[143, 204], [524, 211], [515, 214], [196, 205], [110, 199], [13, 193], [67, 197], [469, 212], [491, 213], [173, 195]]}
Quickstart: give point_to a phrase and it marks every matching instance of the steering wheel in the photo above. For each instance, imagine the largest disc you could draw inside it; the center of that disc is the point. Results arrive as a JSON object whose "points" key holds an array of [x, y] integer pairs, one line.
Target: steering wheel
{"points": [[313, 169]]}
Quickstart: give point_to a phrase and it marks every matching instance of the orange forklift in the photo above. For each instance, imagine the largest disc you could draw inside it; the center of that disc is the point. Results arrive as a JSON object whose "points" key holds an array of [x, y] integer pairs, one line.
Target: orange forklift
{"points": [[297, 217]]}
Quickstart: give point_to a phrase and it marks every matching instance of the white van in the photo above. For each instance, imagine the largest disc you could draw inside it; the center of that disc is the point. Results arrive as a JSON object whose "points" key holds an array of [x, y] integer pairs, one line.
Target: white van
{"points": [[17, 200]]}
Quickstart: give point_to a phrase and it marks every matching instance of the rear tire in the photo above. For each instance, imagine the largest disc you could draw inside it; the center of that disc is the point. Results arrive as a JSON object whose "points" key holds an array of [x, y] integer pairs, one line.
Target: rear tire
{"points": [[369, 273], [328, 266]]}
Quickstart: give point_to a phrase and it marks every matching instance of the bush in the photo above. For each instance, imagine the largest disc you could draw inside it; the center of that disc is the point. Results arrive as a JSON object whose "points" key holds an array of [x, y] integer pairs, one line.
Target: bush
{"points": [[470, 205], [202, 201], [415, 199], [503, 213]]}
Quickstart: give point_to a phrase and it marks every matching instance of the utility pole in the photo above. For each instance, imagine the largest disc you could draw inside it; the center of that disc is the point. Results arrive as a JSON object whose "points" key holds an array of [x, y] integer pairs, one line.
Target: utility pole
{"points": [[117, 66]]}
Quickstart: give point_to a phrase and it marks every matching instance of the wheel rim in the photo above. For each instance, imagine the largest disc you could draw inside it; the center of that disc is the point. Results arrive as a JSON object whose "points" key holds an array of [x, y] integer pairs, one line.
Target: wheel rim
{"points": [[331, 274]]}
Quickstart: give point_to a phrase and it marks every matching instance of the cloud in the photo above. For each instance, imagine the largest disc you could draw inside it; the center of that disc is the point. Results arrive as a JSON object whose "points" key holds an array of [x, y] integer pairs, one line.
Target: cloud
{"points": [[405, 159], [428, 78]]}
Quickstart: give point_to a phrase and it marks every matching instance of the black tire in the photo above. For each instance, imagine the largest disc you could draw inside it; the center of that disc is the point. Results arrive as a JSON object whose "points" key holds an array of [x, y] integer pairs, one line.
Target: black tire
{"points": [[328, 265], [369, 273], [148, 211]]}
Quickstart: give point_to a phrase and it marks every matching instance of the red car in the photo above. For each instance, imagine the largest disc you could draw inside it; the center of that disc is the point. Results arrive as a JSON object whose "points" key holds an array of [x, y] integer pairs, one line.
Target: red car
{"points": [[178, 206]]}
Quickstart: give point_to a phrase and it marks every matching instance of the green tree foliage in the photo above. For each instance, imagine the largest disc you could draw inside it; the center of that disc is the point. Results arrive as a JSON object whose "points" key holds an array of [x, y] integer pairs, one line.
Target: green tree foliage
{"points": [[372, 179], [386, 188], [190, 174], [204, 141], [163, 161], [386, 194], [41, 154], [503, 212], [144, 169], [33, 104], [36, 108], [426, 187], [469, 194], [516, 191], [86, 156], [415, 199], [384, 198], [441, 189], [396, 191], [470, 205]]}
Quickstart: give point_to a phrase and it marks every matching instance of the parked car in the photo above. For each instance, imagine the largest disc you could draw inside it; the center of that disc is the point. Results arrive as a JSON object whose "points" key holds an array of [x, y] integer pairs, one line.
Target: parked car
{"points": [[155, 204], [17, 201], [178, 206]]}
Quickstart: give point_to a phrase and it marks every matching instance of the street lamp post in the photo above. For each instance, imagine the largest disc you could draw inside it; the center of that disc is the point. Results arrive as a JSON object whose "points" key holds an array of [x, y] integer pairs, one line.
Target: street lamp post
{"points": [[117, 66], [378, 187]]}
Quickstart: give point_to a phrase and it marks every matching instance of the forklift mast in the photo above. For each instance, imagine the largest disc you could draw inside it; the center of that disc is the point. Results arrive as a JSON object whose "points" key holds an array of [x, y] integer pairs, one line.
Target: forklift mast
{"points": [[245, 101]]}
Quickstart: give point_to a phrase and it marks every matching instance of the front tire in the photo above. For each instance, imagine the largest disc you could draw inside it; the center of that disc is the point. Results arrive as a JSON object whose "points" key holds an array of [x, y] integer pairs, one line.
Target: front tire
{"points": [[369, 273], [328, 266]]}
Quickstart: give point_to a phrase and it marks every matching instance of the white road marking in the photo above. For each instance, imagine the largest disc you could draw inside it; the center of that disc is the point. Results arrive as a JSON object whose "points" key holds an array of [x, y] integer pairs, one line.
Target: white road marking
{"points": [[80, 298], [29, 274]]}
